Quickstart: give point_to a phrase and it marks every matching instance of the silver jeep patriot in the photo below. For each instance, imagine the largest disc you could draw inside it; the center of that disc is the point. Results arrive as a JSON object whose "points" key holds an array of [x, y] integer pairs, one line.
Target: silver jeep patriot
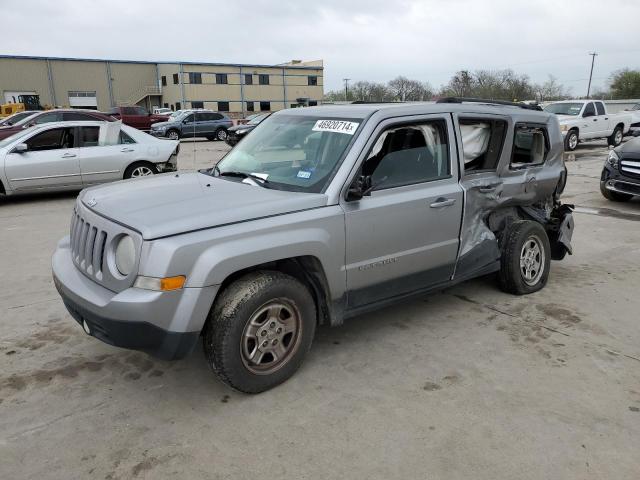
{"points": [[320, 214]]}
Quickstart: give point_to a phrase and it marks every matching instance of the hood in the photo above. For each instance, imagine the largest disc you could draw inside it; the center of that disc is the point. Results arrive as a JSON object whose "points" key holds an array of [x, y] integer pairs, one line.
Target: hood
{"points": [[630, 149], [171, 204], [164, 123], [567, 118], [241, 127]]}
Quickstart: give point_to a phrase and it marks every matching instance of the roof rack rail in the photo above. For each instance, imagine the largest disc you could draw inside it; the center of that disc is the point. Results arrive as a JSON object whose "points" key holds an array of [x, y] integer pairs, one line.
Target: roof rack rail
{"points": [[483, 100]]}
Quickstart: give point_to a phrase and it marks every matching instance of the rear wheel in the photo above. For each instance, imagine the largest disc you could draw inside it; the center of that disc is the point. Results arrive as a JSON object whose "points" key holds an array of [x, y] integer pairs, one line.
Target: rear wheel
{"points": [[616, 137], [259, 331], [140, 169], [526, 258], [571, 141], [614, 196]]}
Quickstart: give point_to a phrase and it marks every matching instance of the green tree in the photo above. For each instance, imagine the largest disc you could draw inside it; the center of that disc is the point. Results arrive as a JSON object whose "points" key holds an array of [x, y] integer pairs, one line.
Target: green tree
{"points": [[626, 84]]}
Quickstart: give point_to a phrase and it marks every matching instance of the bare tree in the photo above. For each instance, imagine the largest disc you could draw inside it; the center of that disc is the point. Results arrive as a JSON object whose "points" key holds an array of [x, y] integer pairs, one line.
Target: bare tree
{"points": [[550, 90]]}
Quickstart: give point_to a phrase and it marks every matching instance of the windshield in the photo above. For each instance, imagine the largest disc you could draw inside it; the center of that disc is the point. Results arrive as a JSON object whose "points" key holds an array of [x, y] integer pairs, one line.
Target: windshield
{"points": [[258, 119], [564, 108], [16, 136], [291, 152], [16, 117]]}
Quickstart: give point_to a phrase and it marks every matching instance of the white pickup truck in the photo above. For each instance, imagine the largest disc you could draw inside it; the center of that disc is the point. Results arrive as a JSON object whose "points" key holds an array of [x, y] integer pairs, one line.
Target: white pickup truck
{"points": [[588, 120]]}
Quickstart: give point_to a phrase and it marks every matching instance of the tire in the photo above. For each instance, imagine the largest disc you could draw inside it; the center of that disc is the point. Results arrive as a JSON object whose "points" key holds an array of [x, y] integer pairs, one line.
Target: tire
{"points": [[173, 134], [250, 303], [614, 196], [221, 134], [616, 137], [571, 140], [140, 169], [522, 271]]}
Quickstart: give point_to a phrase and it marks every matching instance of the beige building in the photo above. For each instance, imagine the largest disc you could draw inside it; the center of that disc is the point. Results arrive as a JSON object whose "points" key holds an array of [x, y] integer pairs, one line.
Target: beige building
{"points": [[91, 83]]}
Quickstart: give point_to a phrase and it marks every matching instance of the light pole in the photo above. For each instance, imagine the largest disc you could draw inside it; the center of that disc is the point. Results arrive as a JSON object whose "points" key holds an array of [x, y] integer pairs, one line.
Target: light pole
{"points": [[346, 88], [593, 59]]}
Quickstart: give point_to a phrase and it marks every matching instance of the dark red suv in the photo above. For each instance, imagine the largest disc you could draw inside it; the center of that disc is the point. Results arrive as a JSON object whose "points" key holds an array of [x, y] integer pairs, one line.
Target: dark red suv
{"points": [[137, 117], [59, 115]]}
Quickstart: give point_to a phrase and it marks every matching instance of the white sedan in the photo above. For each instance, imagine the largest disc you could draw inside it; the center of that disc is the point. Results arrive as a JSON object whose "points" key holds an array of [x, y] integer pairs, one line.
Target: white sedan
{"points": [[74, 155]]}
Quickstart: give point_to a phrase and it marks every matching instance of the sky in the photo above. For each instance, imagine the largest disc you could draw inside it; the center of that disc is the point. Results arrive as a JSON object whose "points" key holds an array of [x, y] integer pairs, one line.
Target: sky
{"points": [[372, 40]]}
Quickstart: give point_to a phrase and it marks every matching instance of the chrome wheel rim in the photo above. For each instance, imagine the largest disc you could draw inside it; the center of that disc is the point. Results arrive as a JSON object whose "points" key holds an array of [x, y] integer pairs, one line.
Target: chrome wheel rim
{"points": [[173, 135], [222, 135], [141, 171], [573, 141], [532, 260], [618, 138], [271, 337]]}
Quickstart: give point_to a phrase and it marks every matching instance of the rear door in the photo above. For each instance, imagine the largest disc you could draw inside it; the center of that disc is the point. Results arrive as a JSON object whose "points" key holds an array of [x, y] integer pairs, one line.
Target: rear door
{"points": [[405, 235], [603, 123], [101, 163], [51, 161]]}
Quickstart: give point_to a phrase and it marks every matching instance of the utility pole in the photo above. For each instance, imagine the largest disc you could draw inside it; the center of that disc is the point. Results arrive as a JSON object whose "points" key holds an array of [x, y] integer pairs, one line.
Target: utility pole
{"points": [[593, 59], [346, 88]]}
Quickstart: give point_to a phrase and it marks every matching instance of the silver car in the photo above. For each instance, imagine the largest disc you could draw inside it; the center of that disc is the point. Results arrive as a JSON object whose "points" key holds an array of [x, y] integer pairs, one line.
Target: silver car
{"points": [[73, 155], [321, 214]]}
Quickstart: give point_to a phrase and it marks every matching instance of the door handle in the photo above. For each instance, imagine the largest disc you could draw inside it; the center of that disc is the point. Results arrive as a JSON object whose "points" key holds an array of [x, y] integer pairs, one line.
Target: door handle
{"points": [[68, 155], [127, 150], [443, 202], [606, 118], [488, 188]]}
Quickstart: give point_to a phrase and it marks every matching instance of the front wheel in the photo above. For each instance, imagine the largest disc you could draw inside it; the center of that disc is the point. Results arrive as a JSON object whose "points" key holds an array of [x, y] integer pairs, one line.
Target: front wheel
{"points": [[221, 134], [259, 331], [571, 141], [526, 258], [173, 135]]}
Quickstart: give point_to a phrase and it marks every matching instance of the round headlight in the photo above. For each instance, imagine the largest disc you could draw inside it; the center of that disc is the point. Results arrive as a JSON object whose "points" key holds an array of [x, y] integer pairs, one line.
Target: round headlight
{"points": [[125, 255]]}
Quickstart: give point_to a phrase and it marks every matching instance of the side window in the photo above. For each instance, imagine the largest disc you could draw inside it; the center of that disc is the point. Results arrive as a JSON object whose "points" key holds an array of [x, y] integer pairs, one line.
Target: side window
{"points": [[47, 118], [128, 111], [125, 139], [409, 154], [189, 118], [140, 111], [89, 136], [589, 110], [201, 116], [600, 108], [216, 116], [53, 139], [482, 141], [530, 146]]}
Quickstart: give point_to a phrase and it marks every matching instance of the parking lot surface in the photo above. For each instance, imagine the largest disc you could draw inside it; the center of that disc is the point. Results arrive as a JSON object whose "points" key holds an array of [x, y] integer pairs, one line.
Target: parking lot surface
{"points": [[467, 383]]}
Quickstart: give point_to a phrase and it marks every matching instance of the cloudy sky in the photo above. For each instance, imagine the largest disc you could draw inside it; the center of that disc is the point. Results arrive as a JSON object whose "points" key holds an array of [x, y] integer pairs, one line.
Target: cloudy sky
{"points": [[426, 40]]}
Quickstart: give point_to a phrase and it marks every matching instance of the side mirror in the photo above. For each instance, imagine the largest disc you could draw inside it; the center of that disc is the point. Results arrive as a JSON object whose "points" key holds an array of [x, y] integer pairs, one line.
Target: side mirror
{"points": [[21, 148], [361, 187]]}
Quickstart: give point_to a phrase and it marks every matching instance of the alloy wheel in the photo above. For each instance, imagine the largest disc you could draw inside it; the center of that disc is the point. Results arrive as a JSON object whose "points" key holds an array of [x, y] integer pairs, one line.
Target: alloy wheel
{"points": [[141, 171], [532, 260]]}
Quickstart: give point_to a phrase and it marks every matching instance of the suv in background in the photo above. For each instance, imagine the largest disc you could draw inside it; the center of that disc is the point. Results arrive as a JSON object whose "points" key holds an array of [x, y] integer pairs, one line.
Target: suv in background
{"points": [[194, 123], [59, 115], [137, 117], [324, 213]]}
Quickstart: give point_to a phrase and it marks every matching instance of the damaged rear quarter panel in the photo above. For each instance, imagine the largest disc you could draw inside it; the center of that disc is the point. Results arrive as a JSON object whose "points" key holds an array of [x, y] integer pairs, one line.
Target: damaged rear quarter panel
{"points": [[500, 192]]}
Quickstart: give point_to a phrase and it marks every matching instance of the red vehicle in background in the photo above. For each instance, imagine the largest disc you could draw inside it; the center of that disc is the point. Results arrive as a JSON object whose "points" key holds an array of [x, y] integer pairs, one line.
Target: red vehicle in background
{"points": [[137, 117], [58, 115]]}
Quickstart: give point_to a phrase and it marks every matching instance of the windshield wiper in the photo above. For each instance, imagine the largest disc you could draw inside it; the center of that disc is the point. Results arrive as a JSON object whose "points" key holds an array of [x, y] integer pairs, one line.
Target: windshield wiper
{"points": [[231, 173]]}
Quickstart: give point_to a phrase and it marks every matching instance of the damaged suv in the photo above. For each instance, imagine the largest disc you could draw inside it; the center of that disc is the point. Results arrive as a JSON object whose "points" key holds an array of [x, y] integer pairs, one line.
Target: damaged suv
{"points": [[320, 214]]}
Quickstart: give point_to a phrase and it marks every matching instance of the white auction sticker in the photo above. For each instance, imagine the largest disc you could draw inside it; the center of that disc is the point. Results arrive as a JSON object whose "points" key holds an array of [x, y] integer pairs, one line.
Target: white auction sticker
{"points": [[336, 126]]}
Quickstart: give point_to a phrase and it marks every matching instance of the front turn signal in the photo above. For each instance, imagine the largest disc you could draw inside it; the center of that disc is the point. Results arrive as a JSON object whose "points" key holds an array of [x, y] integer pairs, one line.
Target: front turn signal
{"points": [[165, 284]]}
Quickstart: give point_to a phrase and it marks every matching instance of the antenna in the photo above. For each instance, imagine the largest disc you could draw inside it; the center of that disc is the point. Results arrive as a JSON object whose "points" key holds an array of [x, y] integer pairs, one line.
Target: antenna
{"points": [[593, 59]]}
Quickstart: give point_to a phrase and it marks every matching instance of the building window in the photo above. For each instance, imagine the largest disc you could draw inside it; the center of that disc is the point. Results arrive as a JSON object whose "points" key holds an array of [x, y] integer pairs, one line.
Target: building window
{"points": [[178, 106], [166, 105], [249, 106], [197, 104], [175, 79], [265, 106], [223, 106], [248, 79], [312, 80], [163, 80], [221, 78], [313, 103], [263, 79], [195, 77]]}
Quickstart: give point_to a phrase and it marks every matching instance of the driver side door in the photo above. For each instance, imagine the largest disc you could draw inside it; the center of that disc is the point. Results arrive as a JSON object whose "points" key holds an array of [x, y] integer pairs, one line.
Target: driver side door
{"points": [[589, 127], [51, 161]]}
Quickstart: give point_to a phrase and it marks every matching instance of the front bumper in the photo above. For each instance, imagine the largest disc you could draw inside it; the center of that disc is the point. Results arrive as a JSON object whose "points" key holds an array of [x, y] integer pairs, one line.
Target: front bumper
{"points": [[612, 179], [157, 133], [166, 325]]}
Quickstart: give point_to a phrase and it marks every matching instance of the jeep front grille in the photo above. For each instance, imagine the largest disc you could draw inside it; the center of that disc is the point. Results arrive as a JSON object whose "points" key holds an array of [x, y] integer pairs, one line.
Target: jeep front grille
{"points": [[87, 246]]}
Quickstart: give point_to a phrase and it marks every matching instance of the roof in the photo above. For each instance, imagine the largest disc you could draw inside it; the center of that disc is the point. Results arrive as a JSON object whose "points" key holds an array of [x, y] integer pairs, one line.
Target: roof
{"points": [[414, 108], [161, 62]]}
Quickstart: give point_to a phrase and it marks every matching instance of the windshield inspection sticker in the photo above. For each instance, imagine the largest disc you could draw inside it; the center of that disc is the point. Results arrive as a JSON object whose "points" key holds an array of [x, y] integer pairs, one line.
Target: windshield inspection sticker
{"points": [[304, 174], [336, 126]]}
